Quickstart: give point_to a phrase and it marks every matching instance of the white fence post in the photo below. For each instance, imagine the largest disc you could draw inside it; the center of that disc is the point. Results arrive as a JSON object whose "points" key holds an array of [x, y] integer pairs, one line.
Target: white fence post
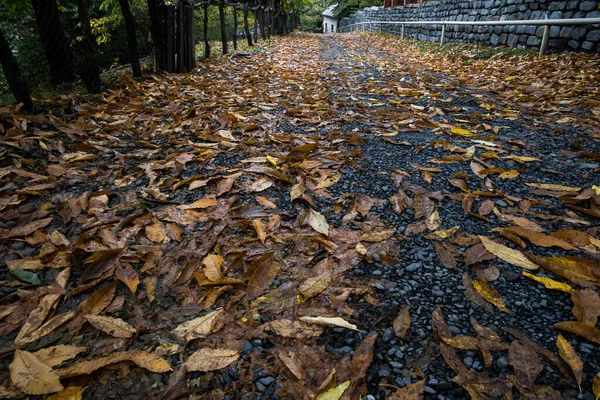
{"points": [[544, 40], [402, 32], [443, 33]]}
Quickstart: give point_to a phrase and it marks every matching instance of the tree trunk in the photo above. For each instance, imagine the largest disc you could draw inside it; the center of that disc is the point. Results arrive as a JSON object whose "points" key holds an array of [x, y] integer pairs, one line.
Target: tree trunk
{"points": [[263, 22], [256, 25], [223, 28], [235, 28], [205, 32], [134, 58], [12, 71], [54, 40], [90, 69], [158, 34], [246, 27]]}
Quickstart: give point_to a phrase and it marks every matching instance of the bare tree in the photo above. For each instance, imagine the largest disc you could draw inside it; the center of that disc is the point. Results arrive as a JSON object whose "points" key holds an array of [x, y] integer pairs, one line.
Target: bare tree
{"points": [[13, 74], [134, 58]]}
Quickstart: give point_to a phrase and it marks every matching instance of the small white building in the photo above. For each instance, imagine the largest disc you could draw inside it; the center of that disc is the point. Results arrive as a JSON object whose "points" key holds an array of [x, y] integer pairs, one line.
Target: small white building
{"points": [[331, 18]]}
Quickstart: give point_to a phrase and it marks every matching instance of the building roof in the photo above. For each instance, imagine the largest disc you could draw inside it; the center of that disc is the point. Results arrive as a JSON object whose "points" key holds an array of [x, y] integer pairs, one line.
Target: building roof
{"points": [[333, 11]]}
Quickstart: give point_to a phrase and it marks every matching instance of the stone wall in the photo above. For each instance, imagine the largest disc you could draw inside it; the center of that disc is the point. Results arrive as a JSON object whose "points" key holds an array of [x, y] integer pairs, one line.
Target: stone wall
{"points": [[582, 38]]}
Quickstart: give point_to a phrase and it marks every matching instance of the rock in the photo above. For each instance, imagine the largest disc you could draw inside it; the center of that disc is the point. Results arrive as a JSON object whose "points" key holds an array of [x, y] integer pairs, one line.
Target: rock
{"points": [[376, 258], [429, 390], [468, 361], [27, 208], [18, 246], [588, 5], [414, 266], [267, 380], [501, 203], [511, 276], [11, 223]]}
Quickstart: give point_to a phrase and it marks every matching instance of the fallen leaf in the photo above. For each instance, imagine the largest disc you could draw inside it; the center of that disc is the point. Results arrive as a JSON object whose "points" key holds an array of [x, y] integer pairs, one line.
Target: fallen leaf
{"points": [[414, 391], [318, 222], [401, 323], [526, 364], [293, 363], [199, 327], [335, 321], [115, 327], [586, 306], [68, 393], [32, 376], [568, 353], [550, 283], [334, 393], [55, 355], [511, 256], [315, 285], [206, 359], [577, 328], [143, 359]]}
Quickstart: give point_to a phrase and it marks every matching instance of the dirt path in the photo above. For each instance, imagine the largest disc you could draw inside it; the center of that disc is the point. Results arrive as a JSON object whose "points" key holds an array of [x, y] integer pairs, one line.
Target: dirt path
{"points": [[336, 212]]}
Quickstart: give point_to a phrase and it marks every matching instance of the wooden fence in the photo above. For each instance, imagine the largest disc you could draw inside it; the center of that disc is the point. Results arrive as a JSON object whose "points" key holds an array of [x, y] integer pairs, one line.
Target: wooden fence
{"points": [[180, 55]]}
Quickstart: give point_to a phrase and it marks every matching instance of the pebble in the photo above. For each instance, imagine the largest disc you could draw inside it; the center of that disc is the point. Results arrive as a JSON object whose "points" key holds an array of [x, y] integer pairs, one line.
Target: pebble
{"points": [[501, 203], [11, 223], [502, 362], [429, 390], [18, 246], [27, 208], [376, 258], [267, 380], [468, 361], [414, 266]]}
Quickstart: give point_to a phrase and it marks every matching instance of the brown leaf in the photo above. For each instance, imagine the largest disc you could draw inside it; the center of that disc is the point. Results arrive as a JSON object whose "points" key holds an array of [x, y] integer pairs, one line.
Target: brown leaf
{"points": [[128, 276], [477, 253], [577, 328], [526, 364], [361, 361], [206, 359], [143, 359], [29, 264], [32, 376], [586, 306], [260, 230], [262, 272], [574, 269], [293, 329], [315, 285], [24, 230], [293, 363], [55, 355], [115, 327], [537, 238], [402, 322], [200, 327], [318, 222], [330, 321], [213, 267], [447, 254], [415, 391], [156, 231]]}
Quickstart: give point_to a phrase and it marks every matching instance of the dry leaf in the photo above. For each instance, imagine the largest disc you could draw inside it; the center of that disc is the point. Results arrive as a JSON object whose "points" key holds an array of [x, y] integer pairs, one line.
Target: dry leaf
{"points": [[293, 363], [199, 327], [568, 353], [318, 222], [335, 321], [32, 376], [507, 254], [526, 363], [315, 285], [145, 360], [401, 323], [115, 327], [55, 355], [206, 359]]}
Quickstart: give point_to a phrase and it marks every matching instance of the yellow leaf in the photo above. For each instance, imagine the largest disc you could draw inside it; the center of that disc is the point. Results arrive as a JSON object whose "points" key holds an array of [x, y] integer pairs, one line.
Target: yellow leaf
{"points": [[596, 384], [150, 287], [461, 132], [32, 376], [213, 264], [550, 283], [507, 254], [156, 231], [334, 393], [489, 294], [596, 189], [206, 359], [443, 234], [68, 393], [568, 353], [115, 327], [272, 161], [556, 188]]}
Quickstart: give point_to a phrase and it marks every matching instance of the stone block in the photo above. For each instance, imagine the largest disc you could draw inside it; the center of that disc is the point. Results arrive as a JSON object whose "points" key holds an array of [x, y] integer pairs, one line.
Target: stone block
{"points": [[593, 36], [573, 44], [588, 46], [588, 6]]}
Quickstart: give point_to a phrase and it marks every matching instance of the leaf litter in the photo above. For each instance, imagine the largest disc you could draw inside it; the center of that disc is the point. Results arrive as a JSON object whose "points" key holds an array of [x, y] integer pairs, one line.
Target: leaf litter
{"points": [[232, 235]]}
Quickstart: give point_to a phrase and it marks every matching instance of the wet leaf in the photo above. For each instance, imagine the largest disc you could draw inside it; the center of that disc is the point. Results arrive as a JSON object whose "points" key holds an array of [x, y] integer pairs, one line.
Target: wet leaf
{"points": [[55, 355], [526, 364], [550, 283], [415, 391], [586, 306], [334, 393], [313, 286], [489, 294], [577, 328], [68, 393], [293, 363]]}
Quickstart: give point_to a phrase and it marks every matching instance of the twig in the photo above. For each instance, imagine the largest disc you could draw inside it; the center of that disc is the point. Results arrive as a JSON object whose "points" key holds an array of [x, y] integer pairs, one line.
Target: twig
{"points": [[156, 201]]}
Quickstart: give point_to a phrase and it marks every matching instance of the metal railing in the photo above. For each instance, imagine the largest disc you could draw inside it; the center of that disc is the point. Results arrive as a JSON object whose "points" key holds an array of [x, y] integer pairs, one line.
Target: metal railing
{"points": [[546, 23]]}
